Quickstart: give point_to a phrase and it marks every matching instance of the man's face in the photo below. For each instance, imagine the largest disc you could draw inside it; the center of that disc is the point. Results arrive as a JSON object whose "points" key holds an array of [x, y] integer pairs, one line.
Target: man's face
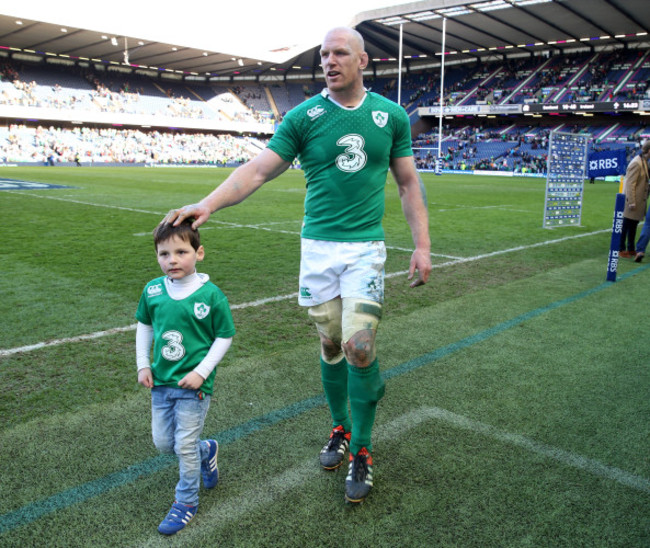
{"points": [[342, 61]]}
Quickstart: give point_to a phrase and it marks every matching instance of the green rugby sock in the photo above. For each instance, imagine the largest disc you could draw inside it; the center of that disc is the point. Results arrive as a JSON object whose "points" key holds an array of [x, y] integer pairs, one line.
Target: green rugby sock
{"points": [[335, 384], [366, 388]]}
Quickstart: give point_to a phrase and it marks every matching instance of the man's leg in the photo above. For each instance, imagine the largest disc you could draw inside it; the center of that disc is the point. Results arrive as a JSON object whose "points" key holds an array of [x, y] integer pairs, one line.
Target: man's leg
{"points": [[334, 375], [366, 388], [644, 238], [632, 237], [625, 239]]}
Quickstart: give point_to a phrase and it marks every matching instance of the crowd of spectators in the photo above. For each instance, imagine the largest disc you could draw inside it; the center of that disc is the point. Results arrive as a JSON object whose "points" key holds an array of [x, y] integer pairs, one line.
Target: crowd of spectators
{"points": [[86, 145], [598, 82], [121, 98], [467, 160], [522, 149]]}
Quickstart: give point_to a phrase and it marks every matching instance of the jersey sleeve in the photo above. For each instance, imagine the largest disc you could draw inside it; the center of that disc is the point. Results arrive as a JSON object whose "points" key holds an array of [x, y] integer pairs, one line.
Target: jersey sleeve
{"points": [[286, 142], [402, 140], [222, 323], [142, 313]]}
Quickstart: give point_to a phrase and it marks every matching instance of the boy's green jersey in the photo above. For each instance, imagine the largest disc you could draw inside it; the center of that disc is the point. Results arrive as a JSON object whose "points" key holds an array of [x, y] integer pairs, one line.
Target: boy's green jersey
{"points": [[345, 154], [184, 330]]}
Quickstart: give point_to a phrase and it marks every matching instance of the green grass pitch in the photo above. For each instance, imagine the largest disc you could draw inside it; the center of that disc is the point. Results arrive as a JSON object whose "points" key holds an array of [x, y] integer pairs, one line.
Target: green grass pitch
{"points": [[517, 402]]}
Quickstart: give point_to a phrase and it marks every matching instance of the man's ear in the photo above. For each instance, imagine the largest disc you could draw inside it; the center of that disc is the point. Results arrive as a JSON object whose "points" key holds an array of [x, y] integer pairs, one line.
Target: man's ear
{"points": [[364, 60]]}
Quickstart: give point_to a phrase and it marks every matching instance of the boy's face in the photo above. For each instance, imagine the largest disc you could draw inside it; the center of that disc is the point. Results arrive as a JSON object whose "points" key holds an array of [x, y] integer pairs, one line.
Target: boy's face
{"points": [[177, 258]]}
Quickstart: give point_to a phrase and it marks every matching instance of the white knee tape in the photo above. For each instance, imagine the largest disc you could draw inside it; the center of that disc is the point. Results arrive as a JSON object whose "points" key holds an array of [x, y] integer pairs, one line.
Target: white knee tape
{"points": [[327, 317], [359, 315]]}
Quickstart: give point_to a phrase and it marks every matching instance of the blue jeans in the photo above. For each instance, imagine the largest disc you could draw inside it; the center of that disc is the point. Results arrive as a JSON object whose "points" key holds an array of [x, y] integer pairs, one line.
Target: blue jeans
{"points": [[645, 234], [177, 417]]}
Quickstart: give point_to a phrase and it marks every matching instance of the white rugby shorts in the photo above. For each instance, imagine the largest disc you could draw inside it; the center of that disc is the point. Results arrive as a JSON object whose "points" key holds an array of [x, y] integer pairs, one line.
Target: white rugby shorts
{"points": [[346, 269]]}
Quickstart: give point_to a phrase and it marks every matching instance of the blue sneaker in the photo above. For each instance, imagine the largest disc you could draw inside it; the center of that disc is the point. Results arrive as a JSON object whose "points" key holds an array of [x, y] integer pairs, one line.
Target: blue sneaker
{"points": [[209, 469], [177, 518]]}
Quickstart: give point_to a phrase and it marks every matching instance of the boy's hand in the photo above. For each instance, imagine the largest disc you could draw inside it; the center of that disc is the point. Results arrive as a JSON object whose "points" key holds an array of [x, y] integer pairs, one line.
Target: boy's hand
{"points": [[191, 381], [145, 378]]}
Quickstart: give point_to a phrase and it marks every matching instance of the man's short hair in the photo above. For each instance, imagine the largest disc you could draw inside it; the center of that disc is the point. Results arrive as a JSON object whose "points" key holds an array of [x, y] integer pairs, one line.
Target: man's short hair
{"points": [[184, 231]]}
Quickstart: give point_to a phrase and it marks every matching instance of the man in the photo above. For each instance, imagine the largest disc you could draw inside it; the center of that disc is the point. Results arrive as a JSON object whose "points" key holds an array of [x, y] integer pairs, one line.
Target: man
{"points": [[638, 169], [346, 139]]}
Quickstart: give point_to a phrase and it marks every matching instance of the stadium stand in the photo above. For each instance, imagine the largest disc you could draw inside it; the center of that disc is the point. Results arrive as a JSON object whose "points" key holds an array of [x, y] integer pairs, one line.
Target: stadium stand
{"points": [[508, 143]]}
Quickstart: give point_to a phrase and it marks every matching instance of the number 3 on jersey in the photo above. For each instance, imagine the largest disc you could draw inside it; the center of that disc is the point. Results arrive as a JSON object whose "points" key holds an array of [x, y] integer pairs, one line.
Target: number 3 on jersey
{"points": [[173, 350], [354, 157]]}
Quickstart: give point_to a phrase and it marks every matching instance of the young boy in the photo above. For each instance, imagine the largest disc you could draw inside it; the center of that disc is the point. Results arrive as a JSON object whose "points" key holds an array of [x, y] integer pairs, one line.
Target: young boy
{"points": [[188, 320]]}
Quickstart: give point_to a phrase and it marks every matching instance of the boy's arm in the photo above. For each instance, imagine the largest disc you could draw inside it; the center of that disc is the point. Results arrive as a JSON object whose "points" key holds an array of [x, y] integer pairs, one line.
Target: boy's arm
{"points": [[194, 379], [143, 340]]}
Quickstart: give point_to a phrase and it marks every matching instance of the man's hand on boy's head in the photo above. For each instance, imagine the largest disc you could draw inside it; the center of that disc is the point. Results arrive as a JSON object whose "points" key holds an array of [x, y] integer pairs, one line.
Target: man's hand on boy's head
{"points": [[199, 212], [191, 381]]}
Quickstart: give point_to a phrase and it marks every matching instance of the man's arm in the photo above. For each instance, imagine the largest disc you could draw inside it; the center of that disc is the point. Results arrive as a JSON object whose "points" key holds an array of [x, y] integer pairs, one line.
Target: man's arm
{"points": [[413, 197], [631, 181], [240, 184]]}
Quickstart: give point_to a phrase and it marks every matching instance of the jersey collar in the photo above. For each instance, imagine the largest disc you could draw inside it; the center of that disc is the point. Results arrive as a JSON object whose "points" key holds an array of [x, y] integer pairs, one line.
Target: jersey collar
{"points": [[326, 95]]}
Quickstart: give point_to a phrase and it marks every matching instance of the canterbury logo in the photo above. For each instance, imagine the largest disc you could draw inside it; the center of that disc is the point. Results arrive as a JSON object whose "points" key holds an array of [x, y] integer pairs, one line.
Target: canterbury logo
{"points": [[154, 290], [315, 112]]}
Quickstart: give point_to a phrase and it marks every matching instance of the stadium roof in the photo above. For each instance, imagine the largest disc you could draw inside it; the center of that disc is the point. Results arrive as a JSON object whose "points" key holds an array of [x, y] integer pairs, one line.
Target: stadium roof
{"points": [[476, 30]]}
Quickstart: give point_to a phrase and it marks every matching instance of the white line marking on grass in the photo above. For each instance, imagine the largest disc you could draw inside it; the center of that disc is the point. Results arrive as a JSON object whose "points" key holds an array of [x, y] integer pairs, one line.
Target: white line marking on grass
{"points": [[132, 327], [266, 229], [267, 300], [158, 213], [521, 248], [410, 250], [60, 199], [236, 506], [203, 228], [567, 458], [29, 348], [260, 227], [57, 342], [292, 222], [497, 207]]}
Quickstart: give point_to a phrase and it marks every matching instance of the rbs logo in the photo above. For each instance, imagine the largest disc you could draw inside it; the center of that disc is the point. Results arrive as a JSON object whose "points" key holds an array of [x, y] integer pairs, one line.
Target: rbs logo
{"points": [[603, 163]]}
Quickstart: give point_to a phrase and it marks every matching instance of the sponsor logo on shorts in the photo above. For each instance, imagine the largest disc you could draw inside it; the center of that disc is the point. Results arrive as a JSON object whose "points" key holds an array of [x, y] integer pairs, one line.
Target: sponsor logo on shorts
{"points": [[305, 293]]}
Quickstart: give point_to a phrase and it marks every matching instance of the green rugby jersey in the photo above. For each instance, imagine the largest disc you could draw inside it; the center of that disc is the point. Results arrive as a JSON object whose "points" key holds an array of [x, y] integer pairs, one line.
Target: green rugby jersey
{"points": [[345, 154], [184, 330]]}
